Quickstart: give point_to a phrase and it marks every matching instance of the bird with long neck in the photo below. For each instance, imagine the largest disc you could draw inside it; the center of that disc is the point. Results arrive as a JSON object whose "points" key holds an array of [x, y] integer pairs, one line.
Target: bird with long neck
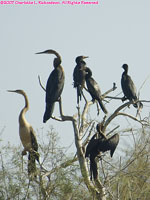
{"points": [[94, 89], [79, 76], [27, 136], [55, 84]]}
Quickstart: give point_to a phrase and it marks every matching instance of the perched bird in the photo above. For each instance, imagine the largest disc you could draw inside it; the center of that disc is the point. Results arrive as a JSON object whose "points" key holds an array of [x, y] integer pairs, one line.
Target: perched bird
{"points": [[79, 76], [129, 88], [94, 89], [28, 137], [95, 146], [55, 84]]}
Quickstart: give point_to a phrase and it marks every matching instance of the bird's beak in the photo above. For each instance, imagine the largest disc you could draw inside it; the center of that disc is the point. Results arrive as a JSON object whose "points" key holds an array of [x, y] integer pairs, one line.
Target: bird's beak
{"points": [[84, 57], [40, 52], [11, 90]]}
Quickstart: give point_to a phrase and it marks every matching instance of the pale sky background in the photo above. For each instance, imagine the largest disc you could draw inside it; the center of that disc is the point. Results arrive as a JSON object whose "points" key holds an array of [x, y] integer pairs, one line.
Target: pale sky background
{"points": [[111, 33]]}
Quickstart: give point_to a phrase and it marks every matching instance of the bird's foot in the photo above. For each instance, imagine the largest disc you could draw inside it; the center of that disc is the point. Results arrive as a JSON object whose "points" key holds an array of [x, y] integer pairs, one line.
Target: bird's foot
{"points": [[123, 99], [93, 100], [24, 152]]}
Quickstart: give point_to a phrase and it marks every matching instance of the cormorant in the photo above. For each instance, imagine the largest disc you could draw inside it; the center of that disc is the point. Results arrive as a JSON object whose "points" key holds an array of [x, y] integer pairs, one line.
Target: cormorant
{"points": [[128, 87], [102, 144], [96, 146], [28, 137], [79, 76], [94, 89], [55, 84]]}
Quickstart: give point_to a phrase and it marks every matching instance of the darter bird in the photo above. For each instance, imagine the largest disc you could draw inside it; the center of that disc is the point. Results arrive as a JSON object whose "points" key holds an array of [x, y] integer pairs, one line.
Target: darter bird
{"points": [[54, 86], [28, 137]]}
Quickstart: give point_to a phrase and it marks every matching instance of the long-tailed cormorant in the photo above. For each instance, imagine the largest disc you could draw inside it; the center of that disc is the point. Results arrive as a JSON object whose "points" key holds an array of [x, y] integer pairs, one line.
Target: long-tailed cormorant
{"points": [[79, 76], [95, 146], [94, 89], [55, 84], [129, 88]]}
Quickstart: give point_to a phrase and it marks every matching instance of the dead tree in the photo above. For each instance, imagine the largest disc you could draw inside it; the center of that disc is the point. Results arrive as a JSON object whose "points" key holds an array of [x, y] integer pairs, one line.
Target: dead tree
{"points": [[80, 127]]}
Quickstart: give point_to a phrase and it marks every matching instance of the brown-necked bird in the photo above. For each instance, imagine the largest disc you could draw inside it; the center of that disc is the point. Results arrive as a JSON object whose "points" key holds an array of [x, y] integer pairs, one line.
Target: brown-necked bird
{"points": [[94, 89], [55, 84], [95, 146], [79, 76], [28, 137]]}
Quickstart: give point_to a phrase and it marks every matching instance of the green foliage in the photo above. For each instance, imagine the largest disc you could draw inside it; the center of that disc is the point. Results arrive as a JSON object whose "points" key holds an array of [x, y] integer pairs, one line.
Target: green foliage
{"points": [[132, 180], [59, 177], [61, 182]]}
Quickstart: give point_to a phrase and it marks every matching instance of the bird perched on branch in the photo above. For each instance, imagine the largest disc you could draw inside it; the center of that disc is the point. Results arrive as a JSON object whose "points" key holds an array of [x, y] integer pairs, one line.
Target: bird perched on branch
{"points": [[55, 84], [129, 88], [28, 137], [94, 89], [79, 76], [97, 145]]}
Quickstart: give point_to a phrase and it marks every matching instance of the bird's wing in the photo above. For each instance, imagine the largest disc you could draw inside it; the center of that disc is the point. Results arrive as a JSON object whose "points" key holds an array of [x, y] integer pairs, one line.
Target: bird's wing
{"points": [[132, 87], [112, 143], [108, 144], [93, 87], [128, 87], [33, 140], [53, 83]]}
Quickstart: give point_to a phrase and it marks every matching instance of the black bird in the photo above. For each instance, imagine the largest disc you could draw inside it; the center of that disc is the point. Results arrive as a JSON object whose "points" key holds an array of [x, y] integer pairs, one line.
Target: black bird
{"points": [[128, 87], [94, 89], [79, 76], [54, 85], [95, 146]]}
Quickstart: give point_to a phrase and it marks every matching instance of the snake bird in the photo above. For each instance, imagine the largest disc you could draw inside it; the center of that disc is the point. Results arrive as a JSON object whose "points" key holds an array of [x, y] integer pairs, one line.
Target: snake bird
{"points": [[54, 86], [27, 137]]}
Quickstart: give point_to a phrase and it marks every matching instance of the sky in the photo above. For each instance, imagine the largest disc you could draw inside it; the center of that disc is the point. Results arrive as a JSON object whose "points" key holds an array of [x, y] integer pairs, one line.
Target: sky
{"points": [[111, 33]]}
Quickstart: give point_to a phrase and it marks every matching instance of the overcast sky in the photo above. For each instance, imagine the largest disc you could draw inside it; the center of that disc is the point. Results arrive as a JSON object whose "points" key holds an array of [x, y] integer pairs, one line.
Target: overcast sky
{"points": [[111, 33]]}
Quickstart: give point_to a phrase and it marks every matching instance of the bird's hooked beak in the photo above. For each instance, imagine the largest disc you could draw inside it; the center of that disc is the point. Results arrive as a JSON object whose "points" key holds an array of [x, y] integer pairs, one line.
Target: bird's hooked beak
{"points": [[84, 57]]}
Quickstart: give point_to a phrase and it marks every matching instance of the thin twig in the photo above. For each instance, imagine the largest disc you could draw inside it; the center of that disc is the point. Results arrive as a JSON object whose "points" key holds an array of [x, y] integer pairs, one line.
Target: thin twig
{"points": [[112, 130], [41, 83], [111, 90]]}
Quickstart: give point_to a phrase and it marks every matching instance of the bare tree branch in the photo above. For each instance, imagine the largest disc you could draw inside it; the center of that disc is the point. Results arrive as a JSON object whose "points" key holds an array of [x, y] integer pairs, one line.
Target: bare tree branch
{"points": [[111, 90], [41, 83]]}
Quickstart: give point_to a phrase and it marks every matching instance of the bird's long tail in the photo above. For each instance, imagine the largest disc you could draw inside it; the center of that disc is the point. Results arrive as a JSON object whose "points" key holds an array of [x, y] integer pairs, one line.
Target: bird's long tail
{"points": [[79, 94], [33, 156], [48, 112], [102, 106], [93, 168]]}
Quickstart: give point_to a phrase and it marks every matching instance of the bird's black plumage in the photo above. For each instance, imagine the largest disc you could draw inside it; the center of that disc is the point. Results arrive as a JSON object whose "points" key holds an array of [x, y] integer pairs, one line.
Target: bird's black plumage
{"points": [[94, 89], [54, 86], [128, 86], [95, 146], [79, 75]]}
